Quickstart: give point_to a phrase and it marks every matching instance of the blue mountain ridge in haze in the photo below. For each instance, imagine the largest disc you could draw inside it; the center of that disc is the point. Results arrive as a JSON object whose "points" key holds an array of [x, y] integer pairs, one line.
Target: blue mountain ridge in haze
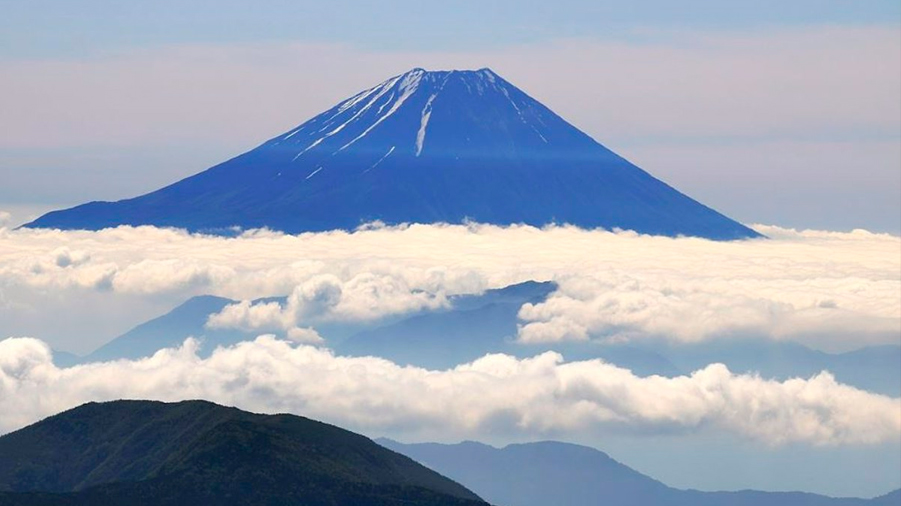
{"points": [[542, 473], [477, 324], [421, 147]]}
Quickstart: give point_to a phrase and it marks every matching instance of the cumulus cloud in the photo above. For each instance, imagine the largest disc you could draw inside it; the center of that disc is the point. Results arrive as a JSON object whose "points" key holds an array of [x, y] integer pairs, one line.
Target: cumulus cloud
{"points": [[5, 218], [831, 290], [262, 316], [495, 394], [326, 297]]}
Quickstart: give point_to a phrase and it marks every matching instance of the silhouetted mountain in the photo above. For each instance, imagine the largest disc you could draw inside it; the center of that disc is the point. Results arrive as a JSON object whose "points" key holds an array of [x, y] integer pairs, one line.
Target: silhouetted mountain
{"points": [[424, 147], [539, 474], [195, 452]]}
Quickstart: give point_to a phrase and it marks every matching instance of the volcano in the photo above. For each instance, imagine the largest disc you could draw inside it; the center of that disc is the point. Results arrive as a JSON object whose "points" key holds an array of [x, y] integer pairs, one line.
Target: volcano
{"points": [[421, 147]]}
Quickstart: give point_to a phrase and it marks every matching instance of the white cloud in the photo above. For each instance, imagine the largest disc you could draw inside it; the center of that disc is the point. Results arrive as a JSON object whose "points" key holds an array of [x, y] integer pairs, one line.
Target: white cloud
{"points": [[304, 335], [247, 316], [262, 317], [496, 394], [326, 297], [831, 290], [623, 306], [5, 218]]}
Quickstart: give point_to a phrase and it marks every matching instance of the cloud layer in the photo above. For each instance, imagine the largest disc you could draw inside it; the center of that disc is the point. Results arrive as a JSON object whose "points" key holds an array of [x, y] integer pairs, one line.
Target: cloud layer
{"points": [[325, 297], [831, 290], [496, 394]]}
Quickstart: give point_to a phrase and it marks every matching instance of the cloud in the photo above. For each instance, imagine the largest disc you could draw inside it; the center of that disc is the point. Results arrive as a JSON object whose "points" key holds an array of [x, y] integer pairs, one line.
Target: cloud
{"points": [[326, 297], [536, 396], [830, 290], [622, 307], [262, 317], [5, 218]]}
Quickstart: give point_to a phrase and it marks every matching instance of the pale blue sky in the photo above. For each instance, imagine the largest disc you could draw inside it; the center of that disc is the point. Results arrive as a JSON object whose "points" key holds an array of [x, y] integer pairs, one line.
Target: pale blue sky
{"points": [[776, 112], [51, 28]]}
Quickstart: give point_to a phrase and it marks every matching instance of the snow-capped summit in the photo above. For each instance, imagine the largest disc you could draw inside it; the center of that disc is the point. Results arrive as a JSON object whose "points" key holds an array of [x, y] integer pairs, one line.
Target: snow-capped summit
{"points": [[399, 112], [423, 146]]}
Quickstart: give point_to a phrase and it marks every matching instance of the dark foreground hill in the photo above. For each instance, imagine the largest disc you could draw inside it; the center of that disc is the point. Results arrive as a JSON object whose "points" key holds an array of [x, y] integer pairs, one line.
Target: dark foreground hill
{"points": [[195, 452], [421, 147], [540, 474]]}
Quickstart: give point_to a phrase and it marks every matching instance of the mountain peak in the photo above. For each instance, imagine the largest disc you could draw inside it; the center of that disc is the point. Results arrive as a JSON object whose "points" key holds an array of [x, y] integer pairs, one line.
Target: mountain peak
{"points": [[421, 147]]}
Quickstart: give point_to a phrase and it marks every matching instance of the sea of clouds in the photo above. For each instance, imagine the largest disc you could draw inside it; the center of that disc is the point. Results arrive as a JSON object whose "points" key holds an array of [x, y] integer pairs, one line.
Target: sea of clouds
{"points": [[829, 290]]}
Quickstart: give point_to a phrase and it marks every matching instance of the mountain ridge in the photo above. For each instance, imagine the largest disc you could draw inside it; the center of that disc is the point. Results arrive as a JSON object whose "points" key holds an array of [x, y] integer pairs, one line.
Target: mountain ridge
{"points": [[551, 472], [477, 324]]}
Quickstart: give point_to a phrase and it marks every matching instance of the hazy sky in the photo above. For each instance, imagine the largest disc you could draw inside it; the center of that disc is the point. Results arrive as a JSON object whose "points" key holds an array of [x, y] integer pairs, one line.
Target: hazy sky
{"points": [[786, 113]]}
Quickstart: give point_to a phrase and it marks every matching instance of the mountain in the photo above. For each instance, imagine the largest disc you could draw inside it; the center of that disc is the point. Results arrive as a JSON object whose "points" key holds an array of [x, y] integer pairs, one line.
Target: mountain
{"points": [[423, 147], [196, 452], [168, 330], [189, 319], [477, 324], [538, 474], [873, 368], [471, 327]]}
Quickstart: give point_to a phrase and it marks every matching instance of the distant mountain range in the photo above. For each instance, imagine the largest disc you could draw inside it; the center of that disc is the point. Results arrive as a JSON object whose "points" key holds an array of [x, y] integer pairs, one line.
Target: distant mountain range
{"points": [[540, 474], [475, 325], [421, 147], [135, 453]]}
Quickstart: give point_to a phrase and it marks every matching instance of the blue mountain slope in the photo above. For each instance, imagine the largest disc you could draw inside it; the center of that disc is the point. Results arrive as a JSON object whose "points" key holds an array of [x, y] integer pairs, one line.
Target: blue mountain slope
{"points": [[424, 147], [538, 474], [873, 368], [168, 330], [475, 325], [493, 313]]}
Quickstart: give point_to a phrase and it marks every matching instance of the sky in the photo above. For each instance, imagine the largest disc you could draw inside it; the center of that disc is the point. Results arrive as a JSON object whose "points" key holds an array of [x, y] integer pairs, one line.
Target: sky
{"points": [[771, 112]]}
